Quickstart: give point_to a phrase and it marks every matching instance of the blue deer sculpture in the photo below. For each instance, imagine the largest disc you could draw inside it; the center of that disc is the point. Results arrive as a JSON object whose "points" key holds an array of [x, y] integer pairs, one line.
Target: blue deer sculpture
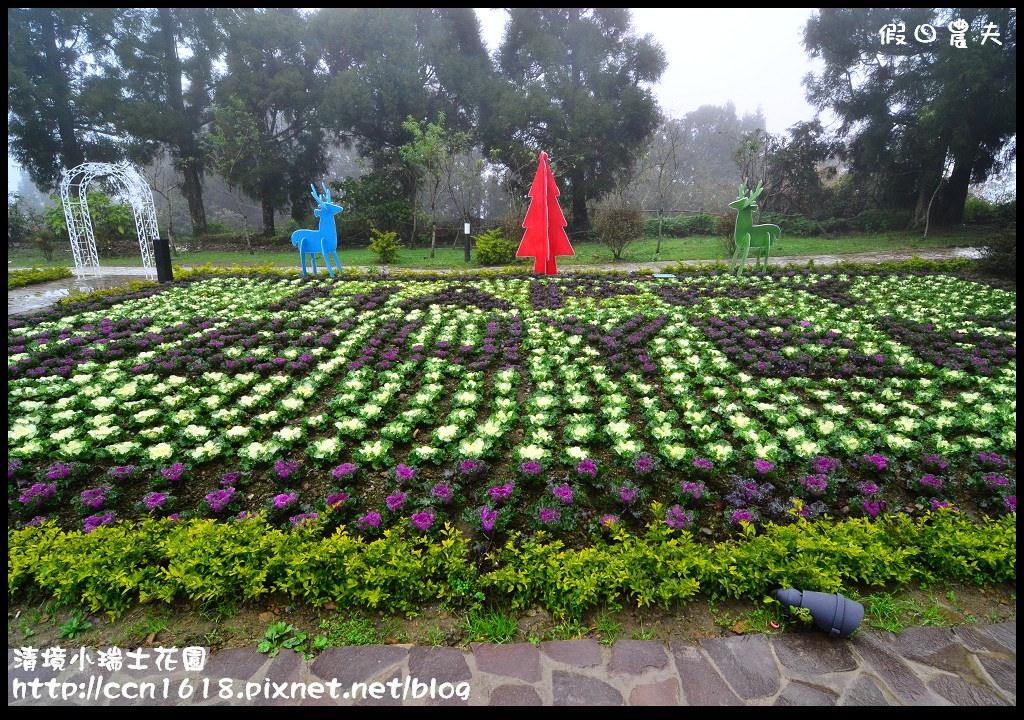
{"points": [[325, 239]]}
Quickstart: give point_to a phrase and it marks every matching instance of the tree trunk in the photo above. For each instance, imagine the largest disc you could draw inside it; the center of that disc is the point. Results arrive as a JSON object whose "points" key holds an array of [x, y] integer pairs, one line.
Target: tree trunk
{"points": [[433, 239], [925, 190], [928, 212], [412, 240], [951, 209], [170, 225], [580, 220], [192, 189], [184, 146], [268, 215], [70, 148], [661, 221], [245, 233]]}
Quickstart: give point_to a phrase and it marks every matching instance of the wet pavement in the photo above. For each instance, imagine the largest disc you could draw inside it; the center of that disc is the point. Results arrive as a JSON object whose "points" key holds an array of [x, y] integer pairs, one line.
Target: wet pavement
{"points": [[968, 665], [36, 297]]}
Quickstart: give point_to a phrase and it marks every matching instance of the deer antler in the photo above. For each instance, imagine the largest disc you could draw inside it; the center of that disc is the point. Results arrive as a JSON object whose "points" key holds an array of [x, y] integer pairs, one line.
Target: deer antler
{"points": [[319, 200], [327, 191], [760, 188], [743, 188]]}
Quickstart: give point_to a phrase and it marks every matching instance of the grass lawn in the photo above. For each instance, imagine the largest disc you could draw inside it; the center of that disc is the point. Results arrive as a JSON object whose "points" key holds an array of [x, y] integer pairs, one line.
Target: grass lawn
{"points": [[691, 248]]}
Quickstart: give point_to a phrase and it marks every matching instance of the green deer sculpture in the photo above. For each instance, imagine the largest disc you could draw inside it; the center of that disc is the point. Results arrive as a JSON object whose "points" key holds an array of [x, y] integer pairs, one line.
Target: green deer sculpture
{"points": [[749, 236]]}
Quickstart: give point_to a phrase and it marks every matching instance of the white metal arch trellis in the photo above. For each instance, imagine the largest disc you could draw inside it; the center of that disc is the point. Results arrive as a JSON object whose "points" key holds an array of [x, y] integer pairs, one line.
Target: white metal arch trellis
{"points": [[74, 188]]}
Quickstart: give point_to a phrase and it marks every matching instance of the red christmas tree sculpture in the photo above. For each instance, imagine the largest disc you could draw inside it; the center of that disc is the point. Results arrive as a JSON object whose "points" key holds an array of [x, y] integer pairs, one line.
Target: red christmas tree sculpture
{"points": [[545, 234]]}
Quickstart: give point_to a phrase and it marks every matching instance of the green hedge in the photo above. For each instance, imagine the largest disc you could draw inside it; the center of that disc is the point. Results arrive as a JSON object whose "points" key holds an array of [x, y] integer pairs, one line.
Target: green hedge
{"points": [[118, 565], [31, 276], [704, 224]]}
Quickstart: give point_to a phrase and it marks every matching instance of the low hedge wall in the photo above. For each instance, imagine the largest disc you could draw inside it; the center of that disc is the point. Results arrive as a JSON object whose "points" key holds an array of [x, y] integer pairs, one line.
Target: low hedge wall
{"points": [[121, 564]]}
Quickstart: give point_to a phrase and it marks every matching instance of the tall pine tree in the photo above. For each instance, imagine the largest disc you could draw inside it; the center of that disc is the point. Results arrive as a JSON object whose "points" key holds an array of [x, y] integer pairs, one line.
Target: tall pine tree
{"points": [[912, 109], [386, 64], [52, 90], [161, 83], [271, 76], [580, 81]]}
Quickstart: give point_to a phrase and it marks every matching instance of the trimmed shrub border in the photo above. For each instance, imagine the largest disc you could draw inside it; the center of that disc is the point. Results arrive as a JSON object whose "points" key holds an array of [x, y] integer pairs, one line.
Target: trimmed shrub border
{"points": [[118, 565], [33, 276]]}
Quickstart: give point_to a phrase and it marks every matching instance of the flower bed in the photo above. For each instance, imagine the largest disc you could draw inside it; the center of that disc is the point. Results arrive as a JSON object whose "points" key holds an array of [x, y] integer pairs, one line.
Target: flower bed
{"points": [[517, 404]]}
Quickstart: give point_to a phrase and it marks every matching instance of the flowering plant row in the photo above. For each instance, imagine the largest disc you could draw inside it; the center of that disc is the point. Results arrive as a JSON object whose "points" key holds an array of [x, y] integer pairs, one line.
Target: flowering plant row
{"points": [[729, 401]]}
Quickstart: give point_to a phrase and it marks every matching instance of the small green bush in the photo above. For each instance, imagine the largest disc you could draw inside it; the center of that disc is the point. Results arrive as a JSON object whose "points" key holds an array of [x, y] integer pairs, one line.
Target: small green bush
{"points": [[795, 225], [999, 256], [836, 226], [493, 249], [879, 221], [979, 211], [32, 276], [219, 227], [385, 246], [618, 225], [113, 223], [1007, 212], [725, 225]]}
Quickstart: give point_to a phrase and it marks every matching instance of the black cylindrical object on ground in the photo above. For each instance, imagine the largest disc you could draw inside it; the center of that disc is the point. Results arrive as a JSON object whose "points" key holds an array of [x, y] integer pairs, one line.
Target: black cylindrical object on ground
{"points": [[832, 613], [162, 250]]}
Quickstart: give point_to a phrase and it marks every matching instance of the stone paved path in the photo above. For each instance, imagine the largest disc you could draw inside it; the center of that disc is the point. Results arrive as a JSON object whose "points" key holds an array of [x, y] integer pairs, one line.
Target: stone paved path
{"points": [[37, 297], [970, 665]]}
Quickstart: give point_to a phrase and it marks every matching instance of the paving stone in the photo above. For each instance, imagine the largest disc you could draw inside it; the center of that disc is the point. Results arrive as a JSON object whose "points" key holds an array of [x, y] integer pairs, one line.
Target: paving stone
{"points": [[897, 676], [324, 700], [519, 660], [454, 700], [285, 666], [963, 693], [813, 654], [864, 691], [22, 675], [977, 641], [746, 662], [385, 700], [701, 683], [569, 688], [578, 653], [798, 693], [1003, 633], [513, 694], [441, 664], [937, 647], [173, 697], [237, 663], [357, 664], [635, 656], [1003, 673], [665, 692]]}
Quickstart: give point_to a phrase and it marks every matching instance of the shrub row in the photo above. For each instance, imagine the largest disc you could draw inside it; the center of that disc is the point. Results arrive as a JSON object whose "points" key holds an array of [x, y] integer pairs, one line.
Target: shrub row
{"points": [[797, 225], [32, 276], [118, 565], [684, 225]]}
